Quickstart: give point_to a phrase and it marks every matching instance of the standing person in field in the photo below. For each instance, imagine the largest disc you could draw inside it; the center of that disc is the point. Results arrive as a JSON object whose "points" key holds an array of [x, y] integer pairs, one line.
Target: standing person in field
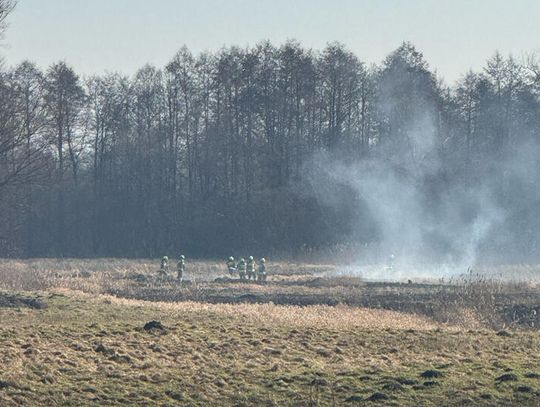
{"points": [[251, 268], [181, 267], [261, 271], [241, 269], [231, 266], [164, 266]]}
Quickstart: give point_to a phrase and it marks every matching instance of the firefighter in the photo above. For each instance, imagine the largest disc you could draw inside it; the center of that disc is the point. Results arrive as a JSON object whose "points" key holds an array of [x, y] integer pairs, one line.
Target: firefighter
{"points": [[251, 268], [181, 267], [261, 271], [164, 266], [241, 267], [231, 266]]}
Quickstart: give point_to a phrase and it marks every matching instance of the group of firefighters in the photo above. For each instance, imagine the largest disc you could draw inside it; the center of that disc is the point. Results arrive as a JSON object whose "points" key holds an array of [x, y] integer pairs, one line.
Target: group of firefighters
{"points": [[247, 270], [180, 266]]}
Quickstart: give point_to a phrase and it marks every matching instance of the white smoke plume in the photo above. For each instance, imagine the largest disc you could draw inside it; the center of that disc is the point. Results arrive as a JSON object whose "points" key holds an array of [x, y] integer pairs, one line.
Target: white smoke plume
{"points": [[429, 234]]}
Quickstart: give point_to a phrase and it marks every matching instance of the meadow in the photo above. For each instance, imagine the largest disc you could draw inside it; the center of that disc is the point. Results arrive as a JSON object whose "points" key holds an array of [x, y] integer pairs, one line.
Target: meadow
{"points": [[112, 332]]}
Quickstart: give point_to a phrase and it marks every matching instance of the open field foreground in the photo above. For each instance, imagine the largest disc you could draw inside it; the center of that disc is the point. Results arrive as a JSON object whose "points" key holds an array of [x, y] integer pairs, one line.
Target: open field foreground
{"points": [[81, 333]]}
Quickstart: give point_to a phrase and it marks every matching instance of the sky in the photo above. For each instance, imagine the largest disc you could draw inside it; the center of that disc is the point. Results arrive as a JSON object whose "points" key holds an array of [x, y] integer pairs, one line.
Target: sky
{"points": [[97, 36]]}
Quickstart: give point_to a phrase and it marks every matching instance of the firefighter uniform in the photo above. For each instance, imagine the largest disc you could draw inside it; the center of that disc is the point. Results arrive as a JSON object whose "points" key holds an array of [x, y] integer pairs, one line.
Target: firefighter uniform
{"points": [[261, 271], [231, 266], [241, 269], [181, 267], [164, 266], [251, 268]]}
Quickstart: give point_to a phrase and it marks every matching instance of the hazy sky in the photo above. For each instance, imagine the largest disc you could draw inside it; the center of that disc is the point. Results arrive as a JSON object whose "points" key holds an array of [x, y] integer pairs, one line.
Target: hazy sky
{"points": [[122, 35]]}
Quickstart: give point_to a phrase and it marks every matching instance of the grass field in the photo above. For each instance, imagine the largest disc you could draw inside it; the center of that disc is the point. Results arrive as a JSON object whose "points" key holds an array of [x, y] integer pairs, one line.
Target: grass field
{"points": [[73, 333]]}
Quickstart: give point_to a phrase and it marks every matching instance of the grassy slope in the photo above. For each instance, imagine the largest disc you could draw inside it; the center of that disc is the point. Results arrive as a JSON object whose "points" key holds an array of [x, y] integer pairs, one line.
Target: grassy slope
{"points": [[252, 354]]}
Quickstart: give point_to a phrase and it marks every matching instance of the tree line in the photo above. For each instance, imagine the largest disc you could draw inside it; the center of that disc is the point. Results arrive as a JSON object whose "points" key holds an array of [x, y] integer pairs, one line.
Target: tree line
{"points": [[211, 153]]}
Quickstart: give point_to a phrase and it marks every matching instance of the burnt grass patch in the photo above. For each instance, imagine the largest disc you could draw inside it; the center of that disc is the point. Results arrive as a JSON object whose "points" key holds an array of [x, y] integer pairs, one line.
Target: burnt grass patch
{"points": [[513, 308], [11, 300]]}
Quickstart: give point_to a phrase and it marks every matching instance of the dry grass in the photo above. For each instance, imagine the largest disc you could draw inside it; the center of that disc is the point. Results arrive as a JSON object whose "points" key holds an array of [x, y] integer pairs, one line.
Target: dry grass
{"points": [[306, 338], [92, 350], [91, 274], [315, 316], [472, 300], [479, 294]]}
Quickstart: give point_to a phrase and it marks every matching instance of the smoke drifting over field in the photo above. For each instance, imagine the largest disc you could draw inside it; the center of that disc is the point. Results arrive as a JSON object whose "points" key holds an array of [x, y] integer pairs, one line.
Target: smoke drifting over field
{"points": [[410, 224], [437, 215], [423, 223]]}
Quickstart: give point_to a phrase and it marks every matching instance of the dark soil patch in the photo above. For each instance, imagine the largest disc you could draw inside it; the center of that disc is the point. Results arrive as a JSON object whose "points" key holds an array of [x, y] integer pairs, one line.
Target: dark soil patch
{"points": [[323, 352], [319, 382], [429, 374], [154, 325], [354, 398], [175, 395], [100, 348], [5, 384], [508, 377], [431, 383], [406, 381], [378, 396], [19, 301], [532, 375], [251, 298], [393, 386]]}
